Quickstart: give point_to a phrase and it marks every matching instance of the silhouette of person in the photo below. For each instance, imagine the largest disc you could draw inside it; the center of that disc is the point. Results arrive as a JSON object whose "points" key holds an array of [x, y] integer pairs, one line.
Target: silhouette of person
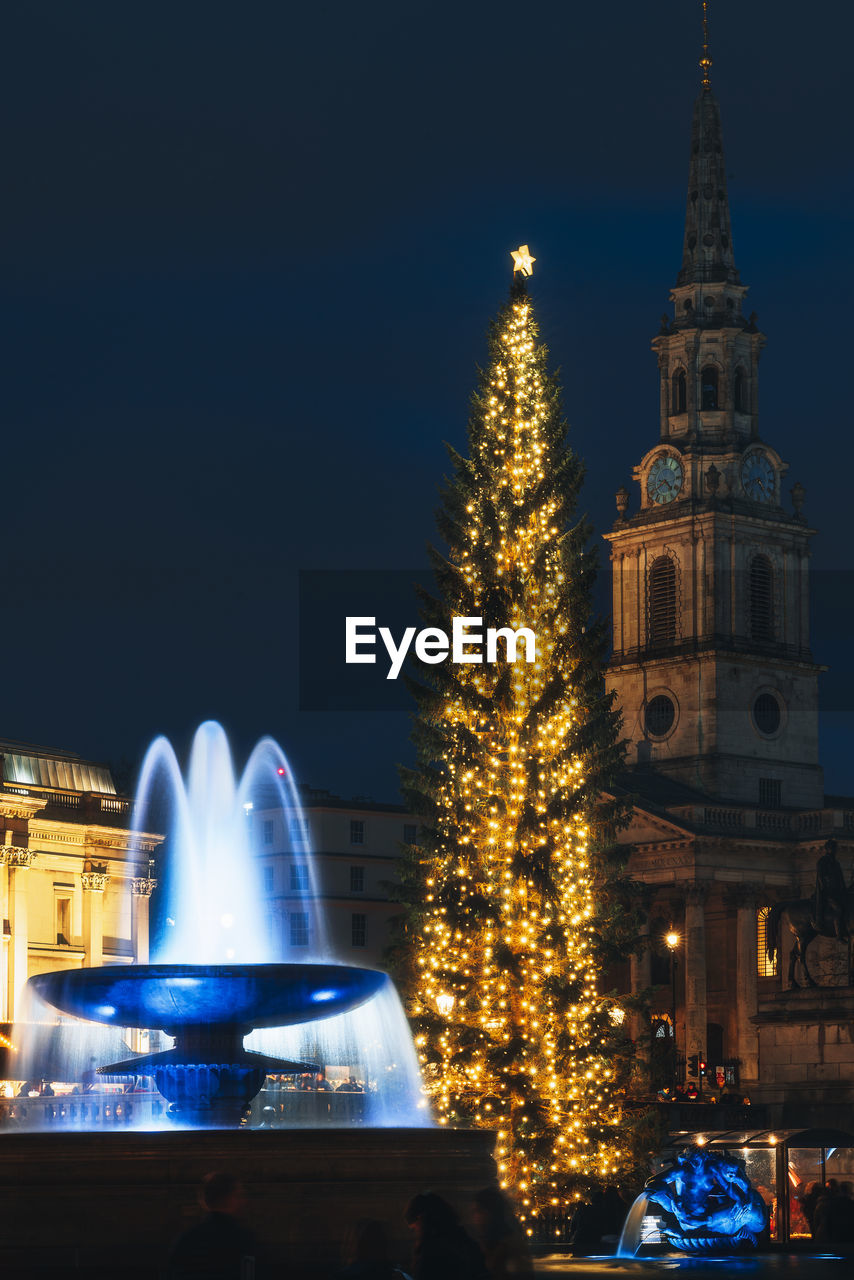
{"points": [[831, 895], [214, 1248], [588, 1221], [614, 1213], [500, 1236], [366, 1253], [443, 1250]]}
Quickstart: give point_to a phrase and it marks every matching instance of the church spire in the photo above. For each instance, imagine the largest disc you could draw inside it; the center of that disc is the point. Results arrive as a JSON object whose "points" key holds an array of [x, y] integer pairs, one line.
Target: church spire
{"points": [[707, 255]]}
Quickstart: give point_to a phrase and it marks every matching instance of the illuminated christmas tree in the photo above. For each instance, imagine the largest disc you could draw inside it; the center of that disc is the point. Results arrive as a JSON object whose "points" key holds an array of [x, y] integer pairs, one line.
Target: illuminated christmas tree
{"points": [[503, 939]]}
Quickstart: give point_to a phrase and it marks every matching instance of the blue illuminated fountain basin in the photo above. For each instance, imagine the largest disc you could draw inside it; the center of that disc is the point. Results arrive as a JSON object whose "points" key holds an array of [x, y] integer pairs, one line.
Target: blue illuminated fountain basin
{"points": [[208, 1077]]}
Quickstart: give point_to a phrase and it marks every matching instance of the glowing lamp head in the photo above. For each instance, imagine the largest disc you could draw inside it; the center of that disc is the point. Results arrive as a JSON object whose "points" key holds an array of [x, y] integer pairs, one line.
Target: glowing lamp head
{"points": [[672, 940], [445, 1005]]}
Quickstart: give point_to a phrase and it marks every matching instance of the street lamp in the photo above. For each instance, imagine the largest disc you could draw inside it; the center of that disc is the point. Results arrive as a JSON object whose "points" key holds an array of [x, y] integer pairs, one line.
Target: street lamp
{"points": [[672, 941]]}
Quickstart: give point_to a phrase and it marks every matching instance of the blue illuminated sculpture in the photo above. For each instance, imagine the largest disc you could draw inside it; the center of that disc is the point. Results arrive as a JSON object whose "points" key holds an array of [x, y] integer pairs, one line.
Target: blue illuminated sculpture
{"points": [[708, 1204]]}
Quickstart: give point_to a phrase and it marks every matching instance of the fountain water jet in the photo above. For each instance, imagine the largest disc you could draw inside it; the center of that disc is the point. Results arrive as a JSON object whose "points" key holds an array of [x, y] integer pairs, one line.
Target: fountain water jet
{"points": [[216, 980]]}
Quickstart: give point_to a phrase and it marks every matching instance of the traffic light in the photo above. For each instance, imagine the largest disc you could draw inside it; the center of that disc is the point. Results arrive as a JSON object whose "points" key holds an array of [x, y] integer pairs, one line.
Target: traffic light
{"points": [[694, 1064], [702, 1066]]}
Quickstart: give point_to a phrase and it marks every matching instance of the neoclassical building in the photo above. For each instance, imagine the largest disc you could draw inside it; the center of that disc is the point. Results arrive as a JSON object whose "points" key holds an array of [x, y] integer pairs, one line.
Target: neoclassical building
{"points": [[718, 687], [75, 880]]}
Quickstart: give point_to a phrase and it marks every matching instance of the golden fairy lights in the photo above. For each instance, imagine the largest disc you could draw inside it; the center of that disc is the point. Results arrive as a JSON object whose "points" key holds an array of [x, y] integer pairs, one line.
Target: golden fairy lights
{"points": [[508, 899]]}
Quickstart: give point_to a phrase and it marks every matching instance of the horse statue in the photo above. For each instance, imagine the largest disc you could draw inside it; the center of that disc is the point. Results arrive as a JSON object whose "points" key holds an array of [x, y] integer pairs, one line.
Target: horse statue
{"points": [[799, 915]]}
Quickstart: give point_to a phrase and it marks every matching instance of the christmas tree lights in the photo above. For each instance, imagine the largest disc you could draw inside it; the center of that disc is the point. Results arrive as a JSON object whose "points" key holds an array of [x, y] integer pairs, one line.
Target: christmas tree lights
{"points": [[502, 933]]}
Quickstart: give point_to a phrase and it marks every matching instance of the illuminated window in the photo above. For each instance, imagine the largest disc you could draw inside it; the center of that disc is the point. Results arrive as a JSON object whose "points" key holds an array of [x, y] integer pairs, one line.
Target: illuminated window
{"points": [[662, 1027], [358, 929], [357, 831], [298, 921], [357, 879], [63, 921], [764, 967]]}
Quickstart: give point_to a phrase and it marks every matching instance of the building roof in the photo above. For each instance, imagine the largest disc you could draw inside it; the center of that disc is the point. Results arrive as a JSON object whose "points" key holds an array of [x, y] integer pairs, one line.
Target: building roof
{"points": [[27, 765], [659, 790], [319, 798]]}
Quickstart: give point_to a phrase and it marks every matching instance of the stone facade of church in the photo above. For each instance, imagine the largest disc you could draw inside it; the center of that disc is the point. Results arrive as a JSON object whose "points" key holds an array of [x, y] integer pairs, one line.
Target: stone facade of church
{"points": [[718, 687]]}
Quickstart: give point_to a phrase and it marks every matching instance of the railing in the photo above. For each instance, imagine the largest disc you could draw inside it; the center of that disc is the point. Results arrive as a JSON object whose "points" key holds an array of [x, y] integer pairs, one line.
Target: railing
{"points": [[81, 1111], [772, 820], [728, 818], [285, 1108], [112, 804], [89, 805], [552, 1226], [61, 799]]}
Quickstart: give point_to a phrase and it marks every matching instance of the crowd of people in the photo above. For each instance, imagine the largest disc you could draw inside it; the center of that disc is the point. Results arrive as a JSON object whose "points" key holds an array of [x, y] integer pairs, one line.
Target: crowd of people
{"points": [[220, 1246], [828, 1208], [493, 1248]]}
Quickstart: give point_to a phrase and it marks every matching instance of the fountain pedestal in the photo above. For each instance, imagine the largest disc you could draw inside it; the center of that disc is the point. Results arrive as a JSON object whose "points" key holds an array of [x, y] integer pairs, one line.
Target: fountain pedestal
{"points": [[108, 1204]]}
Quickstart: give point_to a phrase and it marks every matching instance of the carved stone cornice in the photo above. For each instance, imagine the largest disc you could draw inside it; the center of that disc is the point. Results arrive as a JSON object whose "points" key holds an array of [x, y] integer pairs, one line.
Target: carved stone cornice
{"points": [[17, 857], [20, 806], [95, 881], [142, 886]]}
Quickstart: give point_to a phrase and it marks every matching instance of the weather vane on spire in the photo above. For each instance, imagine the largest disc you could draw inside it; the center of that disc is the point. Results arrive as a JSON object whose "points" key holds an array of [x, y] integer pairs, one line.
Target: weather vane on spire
{"points": [[522, 260], [705, 61]]}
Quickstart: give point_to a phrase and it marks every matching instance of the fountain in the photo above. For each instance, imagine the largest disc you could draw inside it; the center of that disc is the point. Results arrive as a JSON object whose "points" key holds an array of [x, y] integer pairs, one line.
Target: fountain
{"points": [[234, 1012], [217, 978]]}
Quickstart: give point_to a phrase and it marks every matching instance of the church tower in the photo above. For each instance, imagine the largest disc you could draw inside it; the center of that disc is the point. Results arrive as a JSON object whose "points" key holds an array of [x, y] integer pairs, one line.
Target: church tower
{"points": [[711, 661]]}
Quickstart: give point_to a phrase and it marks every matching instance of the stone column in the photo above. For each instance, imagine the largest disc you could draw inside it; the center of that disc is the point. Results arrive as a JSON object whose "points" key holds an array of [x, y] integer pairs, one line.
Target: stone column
{"points": [[746, 991], [696, 1015], [641, 979], [19, 862], [5, 939], [141, 890], [94, 884]]}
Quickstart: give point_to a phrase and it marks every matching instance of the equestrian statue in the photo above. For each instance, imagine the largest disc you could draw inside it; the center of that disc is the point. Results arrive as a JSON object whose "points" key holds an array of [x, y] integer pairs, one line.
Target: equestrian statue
{"points": [[829, 913]]}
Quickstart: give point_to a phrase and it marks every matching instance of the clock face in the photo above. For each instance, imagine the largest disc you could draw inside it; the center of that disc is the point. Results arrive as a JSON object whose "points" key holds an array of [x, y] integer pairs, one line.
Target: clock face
{"points": [[758, 478], [665, 479]]}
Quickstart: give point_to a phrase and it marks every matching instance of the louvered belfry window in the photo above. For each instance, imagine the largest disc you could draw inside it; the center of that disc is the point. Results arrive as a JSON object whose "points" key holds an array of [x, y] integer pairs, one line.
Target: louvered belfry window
{"points": [[679, 388], [662, 601], [761, 599]]}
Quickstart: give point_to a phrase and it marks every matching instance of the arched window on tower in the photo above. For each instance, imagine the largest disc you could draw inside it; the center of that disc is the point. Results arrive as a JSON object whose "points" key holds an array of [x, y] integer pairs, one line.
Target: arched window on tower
{"points": [[678, 392], [662, 600], [761, 599], [740, 391], [709, 387]]}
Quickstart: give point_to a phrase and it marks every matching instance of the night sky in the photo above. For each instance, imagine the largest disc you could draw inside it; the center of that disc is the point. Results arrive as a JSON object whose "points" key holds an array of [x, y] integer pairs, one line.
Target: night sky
{"points": [[249, 255]]}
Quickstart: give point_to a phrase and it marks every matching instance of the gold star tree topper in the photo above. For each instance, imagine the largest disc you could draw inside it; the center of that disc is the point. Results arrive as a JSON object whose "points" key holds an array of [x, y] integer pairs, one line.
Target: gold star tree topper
{"points": [[522, 260]]}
